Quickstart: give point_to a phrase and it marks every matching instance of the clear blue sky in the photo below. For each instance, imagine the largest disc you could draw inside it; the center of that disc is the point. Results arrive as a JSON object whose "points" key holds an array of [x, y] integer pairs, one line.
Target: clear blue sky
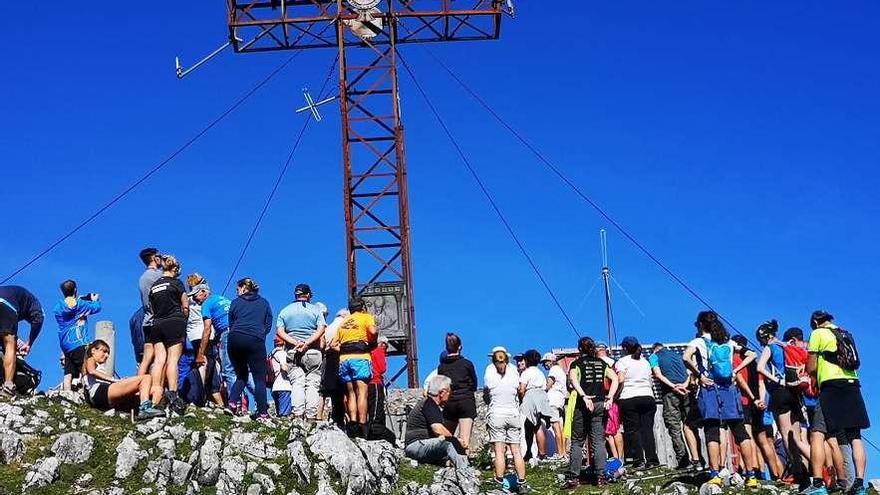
{"points": [[737, 141]]}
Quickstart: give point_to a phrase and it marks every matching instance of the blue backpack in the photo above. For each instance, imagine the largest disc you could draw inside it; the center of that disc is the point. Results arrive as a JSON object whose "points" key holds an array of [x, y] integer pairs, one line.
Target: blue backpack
{"points": [[720, 357]]}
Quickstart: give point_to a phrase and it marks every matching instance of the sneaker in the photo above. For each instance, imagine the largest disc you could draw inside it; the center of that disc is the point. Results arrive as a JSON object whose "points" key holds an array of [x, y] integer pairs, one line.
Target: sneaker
{"points": [[752, 482], [716, 480], [859, 489], [523, 487], [7, 391], [570, 484], [652, 465], [684, 464], [232, 409], [147, 411], [638, 466], [815, 490], [263, 418], [178, 406]]}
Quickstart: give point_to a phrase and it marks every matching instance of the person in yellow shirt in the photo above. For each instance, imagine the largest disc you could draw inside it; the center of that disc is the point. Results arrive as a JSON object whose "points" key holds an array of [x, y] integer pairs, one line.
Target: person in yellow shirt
{"points": [[354, 339], [841, 412]]}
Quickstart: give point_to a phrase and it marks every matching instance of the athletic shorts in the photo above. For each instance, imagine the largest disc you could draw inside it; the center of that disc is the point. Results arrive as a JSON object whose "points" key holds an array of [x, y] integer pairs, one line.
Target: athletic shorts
{"points": [[783, 401], [73, 361], [556, 414], [168, 332], [352, 370], [8, 319], [720, 403], [99, 398], [817, 422], [504, 428], [843, 406], [460, 408], [148, 331]]}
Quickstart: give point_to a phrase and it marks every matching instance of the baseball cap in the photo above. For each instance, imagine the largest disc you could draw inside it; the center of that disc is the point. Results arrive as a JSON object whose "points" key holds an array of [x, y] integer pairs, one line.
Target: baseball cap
{"points": [[548, 356], [302, 290], [498, 348], [601, 345], [198, 287]]}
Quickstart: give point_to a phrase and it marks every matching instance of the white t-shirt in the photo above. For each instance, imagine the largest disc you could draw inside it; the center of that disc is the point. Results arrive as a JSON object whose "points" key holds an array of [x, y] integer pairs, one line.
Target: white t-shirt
{"points": [[332, 328], [559, 391], [503, 389], [638, 381], [533, 378], [279, 362], [700, 356], [194, 324]]}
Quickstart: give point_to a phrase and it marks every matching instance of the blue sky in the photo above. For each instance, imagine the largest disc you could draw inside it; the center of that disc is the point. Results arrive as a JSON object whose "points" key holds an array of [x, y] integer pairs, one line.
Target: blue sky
{"points": [[737, 141]]}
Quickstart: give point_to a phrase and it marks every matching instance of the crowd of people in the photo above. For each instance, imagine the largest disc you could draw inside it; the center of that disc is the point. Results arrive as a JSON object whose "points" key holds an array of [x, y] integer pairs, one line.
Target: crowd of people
{"points": [[785, 409], [788, 409]]}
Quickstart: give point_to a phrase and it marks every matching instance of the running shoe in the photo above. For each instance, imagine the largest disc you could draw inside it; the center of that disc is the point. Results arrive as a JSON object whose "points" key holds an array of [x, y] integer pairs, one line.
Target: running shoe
{"points": [[815, 490], [716, 480], [752, 482], [570, 484], [178, 406], [147, 411], [7, 392], [859, 489]]}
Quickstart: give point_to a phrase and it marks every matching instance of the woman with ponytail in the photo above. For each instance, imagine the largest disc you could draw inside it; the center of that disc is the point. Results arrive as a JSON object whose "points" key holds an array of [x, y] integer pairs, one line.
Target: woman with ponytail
{"points": [[250, 320], [637, 405]]}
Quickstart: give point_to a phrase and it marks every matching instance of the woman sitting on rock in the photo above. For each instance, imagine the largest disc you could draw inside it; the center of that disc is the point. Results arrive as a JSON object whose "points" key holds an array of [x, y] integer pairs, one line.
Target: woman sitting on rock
{"points": [[105, 392]]}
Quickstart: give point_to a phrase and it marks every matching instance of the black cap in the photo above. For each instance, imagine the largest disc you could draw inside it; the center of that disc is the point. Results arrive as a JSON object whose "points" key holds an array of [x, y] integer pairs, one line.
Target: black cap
{"points": [[302, 290]]}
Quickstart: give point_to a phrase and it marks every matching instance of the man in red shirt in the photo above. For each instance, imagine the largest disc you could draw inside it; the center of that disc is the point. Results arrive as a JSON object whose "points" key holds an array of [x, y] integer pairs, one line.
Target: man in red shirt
{"points": [[376, 392]]}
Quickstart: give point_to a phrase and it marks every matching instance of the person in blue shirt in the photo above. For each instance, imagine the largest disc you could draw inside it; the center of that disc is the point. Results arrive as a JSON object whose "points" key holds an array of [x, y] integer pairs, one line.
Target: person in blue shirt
{"points": [[16, 304], [301, 326], [679, 412], [250, 321], [71, 314]]}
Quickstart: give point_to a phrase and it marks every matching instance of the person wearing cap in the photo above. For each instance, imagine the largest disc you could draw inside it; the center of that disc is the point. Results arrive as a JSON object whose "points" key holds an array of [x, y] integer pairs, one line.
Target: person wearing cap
{"points": [[376, 392], [301, 326], [331, 387], [208, 383], [841, 403], [557, 392], [637, 405], [503, 420]]}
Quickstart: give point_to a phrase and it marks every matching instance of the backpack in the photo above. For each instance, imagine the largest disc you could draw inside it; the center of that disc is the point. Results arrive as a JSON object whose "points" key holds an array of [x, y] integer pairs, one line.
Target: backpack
{"points": [[796, 369], [720, 361], [27, 378], [270, 371], [847, 355]]}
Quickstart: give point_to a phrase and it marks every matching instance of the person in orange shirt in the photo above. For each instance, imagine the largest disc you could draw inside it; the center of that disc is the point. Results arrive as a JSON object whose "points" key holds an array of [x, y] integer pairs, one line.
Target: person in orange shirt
{"points": [[355, 367]]}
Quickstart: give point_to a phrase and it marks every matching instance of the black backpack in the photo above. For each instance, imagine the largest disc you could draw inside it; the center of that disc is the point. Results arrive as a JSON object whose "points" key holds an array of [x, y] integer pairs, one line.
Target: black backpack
{"points": [[847, 355], [27, 378]]}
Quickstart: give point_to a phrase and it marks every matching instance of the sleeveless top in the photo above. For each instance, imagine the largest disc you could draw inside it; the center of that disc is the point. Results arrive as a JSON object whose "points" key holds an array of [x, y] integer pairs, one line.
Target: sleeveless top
{"points": [[93, 382]]}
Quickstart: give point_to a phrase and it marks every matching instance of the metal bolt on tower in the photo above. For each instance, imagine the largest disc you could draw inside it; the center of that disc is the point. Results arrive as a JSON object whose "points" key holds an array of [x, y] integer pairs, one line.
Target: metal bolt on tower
{"points": [[366, 33]]}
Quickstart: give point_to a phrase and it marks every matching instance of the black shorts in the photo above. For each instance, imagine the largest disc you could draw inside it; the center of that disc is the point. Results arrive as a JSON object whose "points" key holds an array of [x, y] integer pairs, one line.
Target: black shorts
{"points": [[330, 383], [8, 320], [460, 408], [783, 401], [753, 417], [100, 399], [73, 361], [168, 332], [148, 330], [843, 406]]}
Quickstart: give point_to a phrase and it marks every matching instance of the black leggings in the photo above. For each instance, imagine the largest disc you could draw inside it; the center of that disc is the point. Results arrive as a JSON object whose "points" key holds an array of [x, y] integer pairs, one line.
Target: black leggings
{"points": [[637, 415], [248, 354]]}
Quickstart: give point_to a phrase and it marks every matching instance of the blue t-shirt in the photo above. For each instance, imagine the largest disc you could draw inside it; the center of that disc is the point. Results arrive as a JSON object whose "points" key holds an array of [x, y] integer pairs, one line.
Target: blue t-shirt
{"points": [[300, 319], [671, 365], [216, 309]]}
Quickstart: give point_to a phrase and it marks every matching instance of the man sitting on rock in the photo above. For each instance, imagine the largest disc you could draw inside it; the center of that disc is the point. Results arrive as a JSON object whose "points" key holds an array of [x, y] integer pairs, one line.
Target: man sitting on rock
{"points": [[427, 440]]}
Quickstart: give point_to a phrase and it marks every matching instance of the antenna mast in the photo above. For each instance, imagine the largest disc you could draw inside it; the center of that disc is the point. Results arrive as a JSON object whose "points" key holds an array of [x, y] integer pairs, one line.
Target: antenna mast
{"points": [[606, 279]]}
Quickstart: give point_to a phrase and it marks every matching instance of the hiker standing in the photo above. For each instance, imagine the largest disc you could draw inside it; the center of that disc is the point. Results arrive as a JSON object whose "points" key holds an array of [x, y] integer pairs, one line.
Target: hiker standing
{"points": [[16, 304], [637, 405], [250, 321], [71, 314], [153, 262], [301, 326], [834, 360], [462, 407], [501, 382], [672, 375], [557, 392], [352, 340], [170, 309]]}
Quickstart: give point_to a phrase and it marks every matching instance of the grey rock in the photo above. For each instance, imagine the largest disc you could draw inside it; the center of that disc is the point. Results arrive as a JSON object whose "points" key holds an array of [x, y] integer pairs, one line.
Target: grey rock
{"points": [[178, 432], [328, 443], [151, 426], [254, 489], [41, 414], [325, 487], [84, 479], [180, 472], [707, 489], [194, 439], [158, 472], [209, 459], [875, 484], [254, 445], [456, 482], [299, 462], [413, 488], [166, 448], [231, 475], [11, 447], [73, 447], [275, 469], [110, 413], [43, 473], [383, 461], [265, 481], [128, 454], [677, 488]]}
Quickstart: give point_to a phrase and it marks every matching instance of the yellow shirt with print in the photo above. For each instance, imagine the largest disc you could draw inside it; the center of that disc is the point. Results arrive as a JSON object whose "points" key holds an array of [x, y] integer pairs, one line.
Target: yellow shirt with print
{"points": [[354, 329], [822, 340]]}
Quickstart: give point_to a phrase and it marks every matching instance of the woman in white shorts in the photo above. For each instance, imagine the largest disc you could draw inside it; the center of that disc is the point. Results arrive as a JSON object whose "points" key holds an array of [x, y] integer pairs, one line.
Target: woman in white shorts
{"points": [[504, 422]]}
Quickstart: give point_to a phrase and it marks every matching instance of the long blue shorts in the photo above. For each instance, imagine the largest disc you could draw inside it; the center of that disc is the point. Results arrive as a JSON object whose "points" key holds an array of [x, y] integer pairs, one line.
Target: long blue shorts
{"points": [[355, 369], [720, 402]]}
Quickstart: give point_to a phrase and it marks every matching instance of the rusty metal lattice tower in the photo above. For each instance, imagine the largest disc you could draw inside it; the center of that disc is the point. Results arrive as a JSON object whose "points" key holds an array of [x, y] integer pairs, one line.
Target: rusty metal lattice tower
{"points": [[366, 34]]}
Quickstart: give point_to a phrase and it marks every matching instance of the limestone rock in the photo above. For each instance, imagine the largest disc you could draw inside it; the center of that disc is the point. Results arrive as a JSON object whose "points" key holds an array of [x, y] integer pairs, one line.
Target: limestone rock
{"points": [[43, 473], [299, 462], [330, 444], [254, 489], [180, 472], [11, 447], [456, 482], [158, 472], [209, 459], [265, 481], [231, 475], [73, 447], [383, 461], [128, 454]]}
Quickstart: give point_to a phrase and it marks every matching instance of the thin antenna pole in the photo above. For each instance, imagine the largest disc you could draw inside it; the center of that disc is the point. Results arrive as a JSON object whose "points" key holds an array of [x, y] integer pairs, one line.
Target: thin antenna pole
{"points": [[606, 279]]}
